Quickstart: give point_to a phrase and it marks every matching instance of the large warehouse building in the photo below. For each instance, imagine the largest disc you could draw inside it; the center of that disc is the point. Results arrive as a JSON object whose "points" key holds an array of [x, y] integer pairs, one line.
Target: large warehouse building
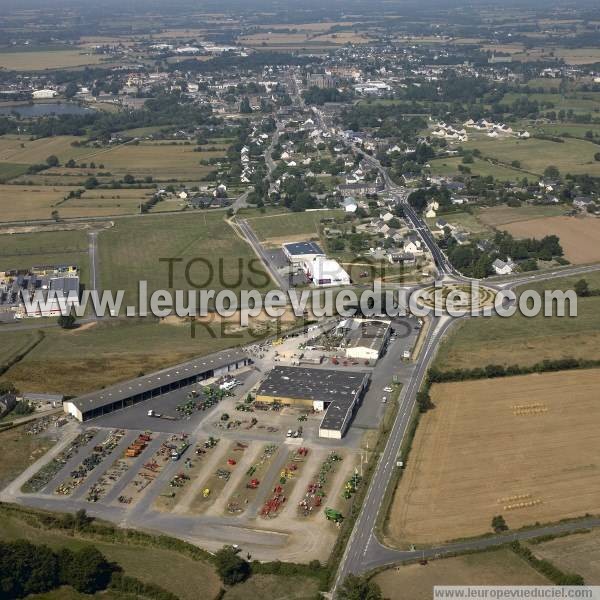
{"points": [[128, 393], [299, 252], [365, 339], [325, 272], [337, 392]]}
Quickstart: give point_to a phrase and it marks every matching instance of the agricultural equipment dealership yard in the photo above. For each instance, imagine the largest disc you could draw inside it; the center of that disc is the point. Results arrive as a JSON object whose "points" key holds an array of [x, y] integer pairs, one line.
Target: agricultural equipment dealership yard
{"points": [[209, 464], [504, 447]]}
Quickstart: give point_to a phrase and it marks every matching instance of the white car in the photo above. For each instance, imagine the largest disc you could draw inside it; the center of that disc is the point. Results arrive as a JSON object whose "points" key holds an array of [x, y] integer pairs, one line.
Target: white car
{"points": [[387, 389], [289, 433], [384, 399]]}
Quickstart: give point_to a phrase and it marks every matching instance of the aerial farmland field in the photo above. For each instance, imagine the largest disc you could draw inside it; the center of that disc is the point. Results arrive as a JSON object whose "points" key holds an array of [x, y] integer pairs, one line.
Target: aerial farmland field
{"points": [[39, 61], [506, 447], [498, 216], [132, 249], [498, 567], [277, 228], [572, 156], [28, 202], [579, 553], [20, 149], [579, 237], [166, 161]]}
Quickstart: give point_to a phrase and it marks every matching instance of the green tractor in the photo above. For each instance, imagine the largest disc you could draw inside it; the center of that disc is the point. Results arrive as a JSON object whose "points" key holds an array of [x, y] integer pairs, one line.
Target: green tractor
{"points": [[333, 515]]}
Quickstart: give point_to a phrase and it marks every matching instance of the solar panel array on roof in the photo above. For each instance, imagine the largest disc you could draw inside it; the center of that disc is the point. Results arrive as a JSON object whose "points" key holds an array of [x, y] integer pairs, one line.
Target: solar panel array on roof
{"points": [[301, 248]]}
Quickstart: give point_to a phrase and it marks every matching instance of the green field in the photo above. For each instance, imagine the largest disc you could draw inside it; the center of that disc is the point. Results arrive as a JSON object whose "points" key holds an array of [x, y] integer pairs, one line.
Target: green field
{"points": [[95, 355], [572, 129], [40, 61], [11, 170], [26, 250], [279, 225], [19, 340], [573, 156], [274, 588], [187, 578], [130, 251], [525, 341], [38, 202], [464, 220], [160, 161], [449, 167], [20, 149], [146, 158], [578, 102]]}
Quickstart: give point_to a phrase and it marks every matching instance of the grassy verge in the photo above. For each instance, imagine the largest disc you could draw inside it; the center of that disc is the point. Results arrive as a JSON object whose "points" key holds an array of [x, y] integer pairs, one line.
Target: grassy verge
{"points": [[175, 565], [388, 498], [348, 524], [181, 568]]}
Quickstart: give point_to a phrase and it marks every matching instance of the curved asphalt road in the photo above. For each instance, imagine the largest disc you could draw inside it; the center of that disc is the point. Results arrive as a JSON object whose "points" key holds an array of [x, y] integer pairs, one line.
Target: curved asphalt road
{"points": [[364, 551]]}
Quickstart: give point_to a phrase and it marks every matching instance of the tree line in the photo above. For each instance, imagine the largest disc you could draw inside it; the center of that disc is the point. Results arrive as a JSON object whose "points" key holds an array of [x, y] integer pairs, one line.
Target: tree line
{"points": [[436, 375]]}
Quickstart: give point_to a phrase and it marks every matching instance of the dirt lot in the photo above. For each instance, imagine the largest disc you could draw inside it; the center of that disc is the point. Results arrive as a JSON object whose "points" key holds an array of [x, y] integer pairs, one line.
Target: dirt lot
{"points": [[579, 236], [21, 450], [500, 567], [575, 554], [501, 447]]}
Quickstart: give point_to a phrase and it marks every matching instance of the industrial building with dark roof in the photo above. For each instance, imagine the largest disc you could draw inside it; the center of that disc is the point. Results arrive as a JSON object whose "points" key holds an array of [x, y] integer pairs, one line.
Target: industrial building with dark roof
{"points": [[298, 252], [128, 393], [337, 392]]}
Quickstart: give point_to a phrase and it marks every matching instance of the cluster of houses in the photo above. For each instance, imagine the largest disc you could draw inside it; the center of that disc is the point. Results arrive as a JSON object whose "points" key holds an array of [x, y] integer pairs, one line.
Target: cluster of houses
{"points": [[444, 131], [256, 138], [396, 241], [495, 130]]}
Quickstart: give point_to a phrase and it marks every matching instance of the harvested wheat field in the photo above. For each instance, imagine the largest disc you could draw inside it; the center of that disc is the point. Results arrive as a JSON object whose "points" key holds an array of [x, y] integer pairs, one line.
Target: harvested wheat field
{"points": [[497, 567], [579, 553], [524, 447], [579, 236]]}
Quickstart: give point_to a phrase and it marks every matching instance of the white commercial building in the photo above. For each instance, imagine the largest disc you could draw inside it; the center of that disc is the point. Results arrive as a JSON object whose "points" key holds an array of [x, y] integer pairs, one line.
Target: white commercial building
{"points": [[44, 94], [325, 272], [366, 339]]}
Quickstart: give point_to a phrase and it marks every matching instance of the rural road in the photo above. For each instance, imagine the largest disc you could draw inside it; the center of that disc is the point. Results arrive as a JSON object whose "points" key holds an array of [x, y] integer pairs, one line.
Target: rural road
{"points": [[93, 258], [364, 551]]}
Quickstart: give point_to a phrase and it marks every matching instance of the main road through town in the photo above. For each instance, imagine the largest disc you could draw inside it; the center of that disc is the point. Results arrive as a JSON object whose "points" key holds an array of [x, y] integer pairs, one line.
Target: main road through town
{"points": [[364, 551]]}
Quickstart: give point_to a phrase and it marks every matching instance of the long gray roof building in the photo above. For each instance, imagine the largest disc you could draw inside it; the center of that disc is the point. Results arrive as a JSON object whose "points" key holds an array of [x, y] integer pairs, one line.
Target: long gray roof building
{"points": [[337, 392], [127, 393]]}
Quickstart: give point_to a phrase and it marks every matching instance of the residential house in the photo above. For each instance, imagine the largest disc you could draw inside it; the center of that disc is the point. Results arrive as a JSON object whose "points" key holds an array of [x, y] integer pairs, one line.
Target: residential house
{"points": [[582, 202], [412, 244], [504, 268], [350, 205]]}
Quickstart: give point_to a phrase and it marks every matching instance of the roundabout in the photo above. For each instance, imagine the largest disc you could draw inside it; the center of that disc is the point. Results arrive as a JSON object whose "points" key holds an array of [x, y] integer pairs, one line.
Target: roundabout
{"points": [[457, 297]]}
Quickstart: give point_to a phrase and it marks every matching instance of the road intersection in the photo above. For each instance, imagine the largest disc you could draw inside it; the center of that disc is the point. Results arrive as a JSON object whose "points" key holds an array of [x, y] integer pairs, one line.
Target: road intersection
{"points": [[364, 551]]}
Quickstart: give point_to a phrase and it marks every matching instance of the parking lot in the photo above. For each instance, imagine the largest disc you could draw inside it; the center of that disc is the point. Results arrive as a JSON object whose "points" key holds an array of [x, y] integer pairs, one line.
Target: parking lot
{"points": [[136, 416], [243, 472]]}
